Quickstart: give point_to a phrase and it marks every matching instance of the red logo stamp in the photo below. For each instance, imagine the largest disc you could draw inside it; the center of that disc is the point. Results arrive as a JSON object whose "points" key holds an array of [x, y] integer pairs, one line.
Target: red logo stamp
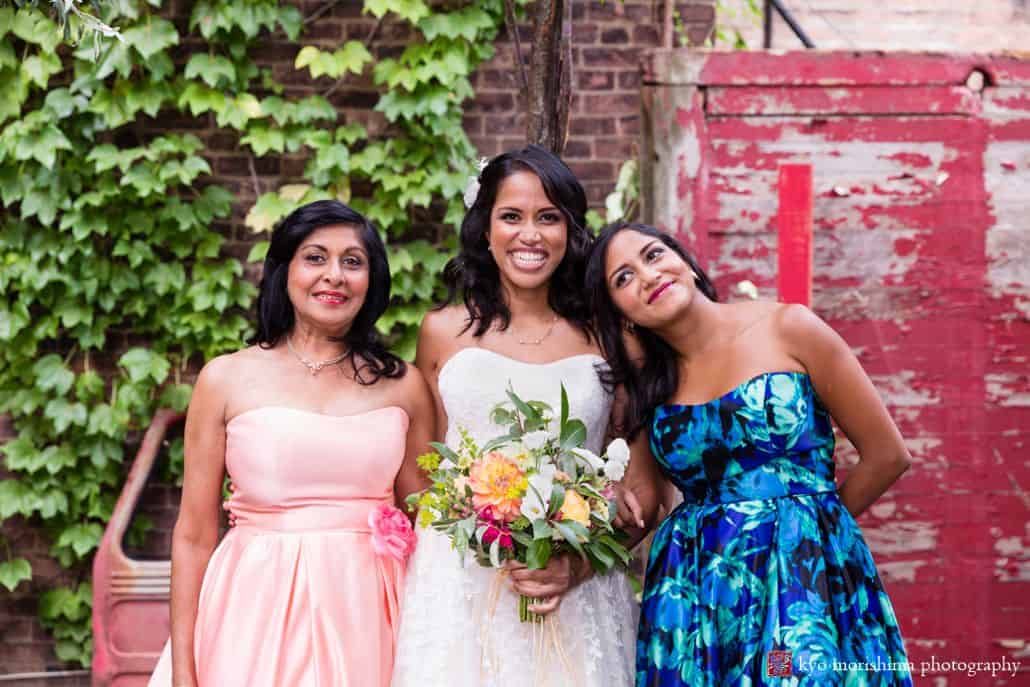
{"points": [[777, 664]]}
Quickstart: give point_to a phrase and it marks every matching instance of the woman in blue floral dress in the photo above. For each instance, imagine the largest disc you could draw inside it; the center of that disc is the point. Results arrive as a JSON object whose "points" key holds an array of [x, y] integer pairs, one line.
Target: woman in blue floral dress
{"points": [[760, 576]]}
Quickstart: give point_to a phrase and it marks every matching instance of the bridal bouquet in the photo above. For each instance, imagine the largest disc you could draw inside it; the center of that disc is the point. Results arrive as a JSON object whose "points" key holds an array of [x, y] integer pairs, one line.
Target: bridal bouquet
{"points": [[528, 494]]}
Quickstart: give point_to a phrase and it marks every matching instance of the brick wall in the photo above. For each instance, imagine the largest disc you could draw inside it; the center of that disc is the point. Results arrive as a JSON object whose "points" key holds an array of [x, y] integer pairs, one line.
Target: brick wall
{"points": [[608, 40]]}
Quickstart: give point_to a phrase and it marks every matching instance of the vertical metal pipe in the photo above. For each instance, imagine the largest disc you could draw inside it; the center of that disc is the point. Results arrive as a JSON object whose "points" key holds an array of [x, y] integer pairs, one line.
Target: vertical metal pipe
{"points": [[767, 24]]}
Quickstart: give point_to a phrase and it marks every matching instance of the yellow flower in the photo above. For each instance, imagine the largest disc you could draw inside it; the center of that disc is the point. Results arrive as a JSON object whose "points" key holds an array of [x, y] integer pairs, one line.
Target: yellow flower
{"points": [[497, 482], [575, 508]]}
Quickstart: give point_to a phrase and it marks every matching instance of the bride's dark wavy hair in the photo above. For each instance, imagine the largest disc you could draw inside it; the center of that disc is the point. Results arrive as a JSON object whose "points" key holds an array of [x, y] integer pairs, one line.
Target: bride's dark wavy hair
{"points": [[654, 378], [276, 317], [473, 275]]}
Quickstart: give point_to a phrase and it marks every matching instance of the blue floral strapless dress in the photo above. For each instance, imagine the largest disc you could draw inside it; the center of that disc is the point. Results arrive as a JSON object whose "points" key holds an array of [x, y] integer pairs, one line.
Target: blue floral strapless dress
{"points": [[761, 576]]}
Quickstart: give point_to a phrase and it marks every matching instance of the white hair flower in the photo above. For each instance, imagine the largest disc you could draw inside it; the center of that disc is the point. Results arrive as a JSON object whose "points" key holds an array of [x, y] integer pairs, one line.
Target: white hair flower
{"points": [[472, 190]]}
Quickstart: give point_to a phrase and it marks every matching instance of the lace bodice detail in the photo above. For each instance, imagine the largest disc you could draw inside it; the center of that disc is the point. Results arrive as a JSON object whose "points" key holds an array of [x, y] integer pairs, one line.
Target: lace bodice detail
{"points": [[474, 380]]}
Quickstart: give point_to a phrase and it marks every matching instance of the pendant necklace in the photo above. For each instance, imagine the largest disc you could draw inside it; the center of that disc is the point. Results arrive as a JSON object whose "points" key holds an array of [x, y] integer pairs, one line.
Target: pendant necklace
{"points": [[314, 367], [537, 342]]}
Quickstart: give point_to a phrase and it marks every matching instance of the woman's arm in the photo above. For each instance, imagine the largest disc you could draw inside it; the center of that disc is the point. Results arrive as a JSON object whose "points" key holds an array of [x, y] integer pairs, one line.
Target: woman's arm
{"points": [[854, 404], [437, 331], [196, 530], [642, 485], [418, 403]]}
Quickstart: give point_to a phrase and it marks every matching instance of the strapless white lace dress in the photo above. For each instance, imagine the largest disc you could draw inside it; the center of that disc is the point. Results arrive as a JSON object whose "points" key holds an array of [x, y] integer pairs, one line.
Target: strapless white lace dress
{"points": [[448, 635]]}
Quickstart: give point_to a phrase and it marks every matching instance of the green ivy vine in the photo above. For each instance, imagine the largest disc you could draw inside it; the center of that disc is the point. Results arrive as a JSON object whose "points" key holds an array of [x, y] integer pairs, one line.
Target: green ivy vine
{"points": [[114, 286]]}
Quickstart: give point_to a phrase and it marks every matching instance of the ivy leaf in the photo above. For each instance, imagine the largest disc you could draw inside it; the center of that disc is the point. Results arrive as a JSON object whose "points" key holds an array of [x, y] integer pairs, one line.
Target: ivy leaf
{"points": [[14, 498], [258, 252], [107, 421], [151, 37], [291, 20], [42, 145], [65, 603], [214, 70], [412, 10], [329, 163], [65, 414], [20, 454], [52, 374], [80, 538], [12, 321], [14, 572], [165, 278], [89, 386], [466, 23], [62, 103], [142, 363], [314, 108], [351, 58], [33, 26], [41, 204], [199, 99], [214, 201], [263, 138], [39, 68], [351, 133], [175, 396], [268, 210], [239, 111]]}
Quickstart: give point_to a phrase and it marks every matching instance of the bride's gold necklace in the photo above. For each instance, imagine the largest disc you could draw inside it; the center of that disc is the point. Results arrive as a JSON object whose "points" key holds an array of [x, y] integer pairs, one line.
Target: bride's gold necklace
{"points": [[314, 367], [537, 342]]}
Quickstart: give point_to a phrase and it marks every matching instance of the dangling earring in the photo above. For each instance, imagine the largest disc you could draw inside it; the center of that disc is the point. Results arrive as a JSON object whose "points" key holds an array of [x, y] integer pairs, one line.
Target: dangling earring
{"points": [[630, 327]]}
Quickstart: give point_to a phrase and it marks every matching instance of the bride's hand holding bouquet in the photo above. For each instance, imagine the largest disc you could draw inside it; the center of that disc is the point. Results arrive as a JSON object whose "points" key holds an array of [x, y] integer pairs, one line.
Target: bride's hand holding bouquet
{"points": [[533, 502]]}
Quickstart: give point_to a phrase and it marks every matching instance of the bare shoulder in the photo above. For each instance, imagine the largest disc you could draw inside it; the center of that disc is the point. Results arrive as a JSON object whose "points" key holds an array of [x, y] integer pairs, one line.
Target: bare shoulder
{"points": [[753, 312], [794, 321], [225, 375], [439, 334], [445, 323], [222, 369], [410, 391], [805, 336]]}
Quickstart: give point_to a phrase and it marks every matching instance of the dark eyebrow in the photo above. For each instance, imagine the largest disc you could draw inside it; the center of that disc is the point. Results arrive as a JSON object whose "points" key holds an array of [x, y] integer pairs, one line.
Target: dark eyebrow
{"points": [[549, 208], [318, 246], [643, 250]]}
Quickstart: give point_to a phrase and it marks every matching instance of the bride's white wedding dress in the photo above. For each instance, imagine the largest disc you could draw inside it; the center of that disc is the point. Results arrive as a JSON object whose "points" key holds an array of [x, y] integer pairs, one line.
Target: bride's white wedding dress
{"points": [[449, 637]]}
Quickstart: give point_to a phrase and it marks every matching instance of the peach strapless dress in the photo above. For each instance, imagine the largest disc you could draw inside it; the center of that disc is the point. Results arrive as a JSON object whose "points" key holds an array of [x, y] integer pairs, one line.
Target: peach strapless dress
{"points": [[295, 595]]}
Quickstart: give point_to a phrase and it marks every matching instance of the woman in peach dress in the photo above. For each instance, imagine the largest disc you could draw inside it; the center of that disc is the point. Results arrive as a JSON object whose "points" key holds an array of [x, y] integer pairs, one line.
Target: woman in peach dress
{"points": [[318, 427]]}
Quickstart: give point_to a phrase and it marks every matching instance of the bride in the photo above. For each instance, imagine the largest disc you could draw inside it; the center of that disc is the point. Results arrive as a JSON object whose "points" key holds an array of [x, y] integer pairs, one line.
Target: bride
{"points": [[524, 323]]}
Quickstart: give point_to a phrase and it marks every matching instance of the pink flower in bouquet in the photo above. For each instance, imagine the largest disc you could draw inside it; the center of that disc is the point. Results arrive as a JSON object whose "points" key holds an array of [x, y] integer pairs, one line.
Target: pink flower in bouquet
{"points": [[497, 483], [392, 534], [493, 533]]}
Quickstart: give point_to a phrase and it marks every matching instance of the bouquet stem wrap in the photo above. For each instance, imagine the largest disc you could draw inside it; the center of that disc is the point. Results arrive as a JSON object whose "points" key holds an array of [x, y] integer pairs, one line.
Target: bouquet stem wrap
{"points": [[526, 615]]}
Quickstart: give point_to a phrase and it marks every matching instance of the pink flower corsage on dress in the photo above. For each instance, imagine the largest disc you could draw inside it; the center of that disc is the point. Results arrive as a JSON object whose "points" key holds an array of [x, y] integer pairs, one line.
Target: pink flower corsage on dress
{"points": [[392, 534]]}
